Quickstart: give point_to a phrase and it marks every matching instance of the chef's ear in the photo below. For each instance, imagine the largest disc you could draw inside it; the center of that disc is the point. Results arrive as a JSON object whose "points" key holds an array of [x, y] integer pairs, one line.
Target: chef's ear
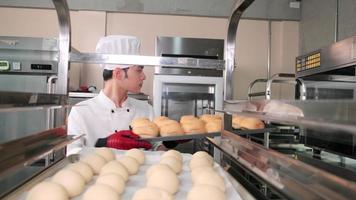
{"points": [[118, 73]]}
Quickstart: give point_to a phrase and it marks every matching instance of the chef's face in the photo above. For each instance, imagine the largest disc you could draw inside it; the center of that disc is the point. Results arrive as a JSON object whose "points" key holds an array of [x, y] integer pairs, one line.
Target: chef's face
{"points": [[132, 79]]}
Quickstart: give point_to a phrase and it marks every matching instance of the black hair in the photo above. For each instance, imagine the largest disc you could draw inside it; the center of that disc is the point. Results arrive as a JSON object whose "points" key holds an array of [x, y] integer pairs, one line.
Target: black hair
{"points": [[107, 74]]}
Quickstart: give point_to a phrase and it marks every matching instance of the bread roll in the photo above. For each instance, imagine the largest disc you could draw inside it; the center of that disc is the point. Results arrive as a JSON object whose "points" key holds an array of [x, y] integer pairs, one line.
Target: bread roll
{"points": [[209, 117], [236, 120], [150, 193], [212, 178], [159, 120], [173, 163], [164, 179], [83, 169], [171, 128], [55, 190], [139, 122], [146, 130], [95, 161], [106, 153], [136, 154], [115, 167], [173, 153], [203, 191], [195, 126], [187, 118], [213, 126], [130, 164], [251, 123], [102, 192], [115, 181], [72, 181]]}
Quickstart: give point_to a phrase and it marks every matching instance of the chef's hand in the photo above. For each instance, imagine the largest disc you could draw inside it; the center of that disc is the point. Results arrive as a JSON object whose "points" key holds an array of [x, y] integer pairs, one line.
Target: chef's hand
{"points": [[123, 140]]}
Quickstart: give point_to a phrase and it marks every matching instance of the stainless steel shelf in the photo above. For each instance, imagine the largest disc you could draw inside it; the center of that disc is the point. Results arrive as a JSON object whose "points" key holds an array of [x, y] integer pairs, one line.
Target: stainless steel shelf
{"points": [[146, 61], [183, 137]]}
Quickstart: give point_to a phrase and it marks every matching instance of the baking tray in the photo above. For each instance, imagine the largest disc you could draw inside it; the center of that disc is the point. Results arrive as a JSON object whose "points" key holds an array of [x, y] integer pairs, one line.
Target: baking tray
{"points": [[183, 137]]}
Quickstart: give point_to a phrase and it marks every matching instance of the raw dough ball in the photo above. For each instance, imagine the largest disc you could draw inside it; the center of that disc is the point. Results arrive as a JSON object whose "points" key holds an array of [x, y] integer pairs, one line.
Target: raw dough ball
{"points": [[137, 154], [213, 126], [72, 181], [200, 162], [152, 194], [83, 169], [113, 180], [209, 117], [115, 167], [173, 153], [211, 178], [157, 168], [106, 153], [200, 154], [102, 192], [130, 164], [56, 190], [164, 179], [197, 172], [173, 163], [199, 192], [187, 119], [170, 128], [95, 161]]}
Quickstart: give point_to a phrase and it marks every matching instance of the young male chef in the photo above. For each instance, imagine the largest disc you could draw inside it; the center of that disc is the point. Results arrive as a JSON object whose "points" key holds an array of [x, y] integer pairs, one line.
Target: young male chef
{"points": [[108, 115]]}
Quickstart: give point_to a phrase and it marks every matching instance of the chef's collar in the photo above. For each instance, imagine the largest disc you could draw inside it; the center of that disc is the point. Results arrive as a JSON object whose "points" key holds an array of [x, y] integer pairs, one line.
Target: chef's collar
{"points": [[107, 102]]}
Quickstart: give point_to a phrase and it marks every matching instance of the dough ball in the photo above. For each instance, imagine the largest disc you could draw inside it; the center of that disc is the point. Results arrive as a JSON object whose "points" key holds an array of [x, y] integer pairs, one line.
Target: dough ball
{"points": [[199, 192], [148, 130], [164, 179], [102, 192], [213, 126], [130, 164], [83, 169], [157, 168], [113, 180], [72, 181], [159, 120], [106, 153], [171, 128], [173, 163], [95, 161], [197, 172], [200, 162], [194, 127], [200, 154], [115, 167], [56, 190], [137, 154], [209, 117], [187, 118], [173, 153], [150, 193], [139, 122], [211, 178]]}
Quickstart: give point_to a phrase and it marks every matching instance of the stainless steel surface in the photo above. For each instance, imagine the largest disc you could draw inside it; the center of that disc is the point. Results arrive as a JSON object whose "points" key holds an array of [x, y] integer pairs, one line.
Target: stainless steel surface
{"points": [[147, 61], [183, 137], [335, 57], [230, 47], [64, 45], [292, 178], [294, 81], [250, 86], [269, 50], [336, 29]]}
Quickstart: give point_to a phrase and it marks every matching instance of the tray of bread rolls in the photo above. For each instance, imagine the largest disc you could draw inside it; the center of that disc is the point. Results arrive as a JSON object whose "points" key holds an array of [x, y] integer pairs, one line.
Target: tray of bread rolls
{"points": [[189, 127], [107, 174]]}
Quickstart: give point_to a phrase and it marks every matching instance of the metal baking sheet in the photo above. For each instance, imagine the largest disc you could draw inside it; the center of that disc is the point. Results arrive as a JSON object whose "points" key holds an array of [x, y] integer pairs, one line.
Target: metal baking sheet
{"points": [[138, 181], [183, 137]]}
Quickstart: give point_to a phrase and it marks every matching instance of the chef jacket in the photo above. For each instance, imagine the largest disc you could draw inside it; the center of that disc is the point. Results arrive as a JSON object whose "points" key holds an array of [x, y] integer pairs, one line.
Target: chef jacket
{"points": [[99, 117]]}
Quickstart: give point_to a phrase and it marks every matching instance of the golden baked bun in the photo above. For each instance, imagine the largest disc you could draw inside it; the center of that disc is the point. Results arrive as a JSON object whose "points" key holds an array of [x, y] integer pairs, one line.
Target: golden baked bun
{"points": [[213, 126], [147, 130], [187, 118], [236, 121], [194, 126], [171, 128], [251, 123], [209, 117], [159, 120], [139, 122]]}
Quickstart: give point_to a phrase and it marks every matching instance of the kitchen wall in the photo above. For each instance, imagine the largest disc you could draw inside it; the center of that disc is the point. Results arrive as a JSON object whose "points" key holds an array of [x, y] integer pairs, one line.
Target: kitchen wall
{"points": [[89, 26]]}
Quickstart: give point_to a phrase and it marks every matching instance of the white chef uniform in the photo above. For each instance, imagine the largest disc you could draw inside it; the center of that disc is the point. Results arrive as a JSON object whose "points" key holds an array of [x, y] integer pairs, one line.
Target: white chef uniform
{"points": [[99, 117]]}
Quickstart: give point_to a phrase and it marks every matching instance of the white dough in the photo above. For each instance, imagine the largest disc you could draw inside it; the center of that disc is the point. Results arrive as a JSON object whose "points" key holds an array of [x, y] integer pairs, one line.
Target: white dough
{"points": [[197, 172], [173, 153], [155, 168], [211, 178], [173, 163], [115, 167], [101, 192], [95, 161], [130, 164], [113, 180], [199, 192], [106, 153], [164, 179], [137, 154], [200, 154], [152, 194], [200, 162], [83, 169], [72, 181], [56, 190]]}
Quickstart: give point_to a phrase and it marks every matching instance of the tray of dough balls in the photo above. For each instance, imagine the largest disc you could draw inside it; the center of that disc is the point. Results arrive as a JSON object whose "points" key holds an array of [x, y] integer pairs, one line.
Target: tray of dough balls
{"points": [[189, 127], [106, 174]]}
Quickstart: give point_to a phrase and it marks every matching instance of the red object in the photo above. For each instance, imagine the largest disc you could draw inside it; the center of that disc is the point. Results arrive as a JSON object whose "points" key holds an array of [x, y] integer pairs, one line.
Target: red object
{"points": [[126, 140]]}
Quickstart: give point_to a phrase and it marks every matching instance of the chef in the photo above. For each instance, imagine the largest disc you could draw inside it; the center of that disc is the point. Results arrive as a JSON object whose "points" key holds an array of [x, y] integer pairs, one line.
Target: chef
{"points": [[105, 119]]}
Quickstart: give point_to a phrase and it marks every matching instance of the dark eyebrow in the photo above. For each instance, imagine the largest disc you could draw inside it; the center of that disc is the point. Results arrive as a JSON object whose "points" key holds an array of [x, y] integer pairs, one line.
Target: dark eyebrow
{"points": [[141, 66]]}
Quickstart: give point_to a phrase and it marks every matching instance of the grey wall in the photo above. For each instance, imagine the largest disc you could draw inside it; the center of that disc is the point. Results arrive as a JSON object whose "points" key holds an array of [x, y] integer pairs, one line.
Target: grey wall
{"points": [[317, 25]]}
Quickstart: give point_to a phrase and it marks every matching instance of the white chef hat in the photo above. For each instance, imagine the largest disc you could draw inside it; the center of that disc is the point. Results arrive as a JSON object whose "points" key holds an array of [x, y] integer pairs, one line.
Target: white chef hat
{"points": [[118, 44]]}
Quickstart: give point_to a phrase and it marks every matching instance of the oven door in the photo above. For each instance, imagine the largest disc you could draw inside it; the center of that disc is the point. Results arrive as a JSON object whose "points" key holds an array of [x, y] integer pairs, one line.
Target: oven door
{"points": [[174, 96]]}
